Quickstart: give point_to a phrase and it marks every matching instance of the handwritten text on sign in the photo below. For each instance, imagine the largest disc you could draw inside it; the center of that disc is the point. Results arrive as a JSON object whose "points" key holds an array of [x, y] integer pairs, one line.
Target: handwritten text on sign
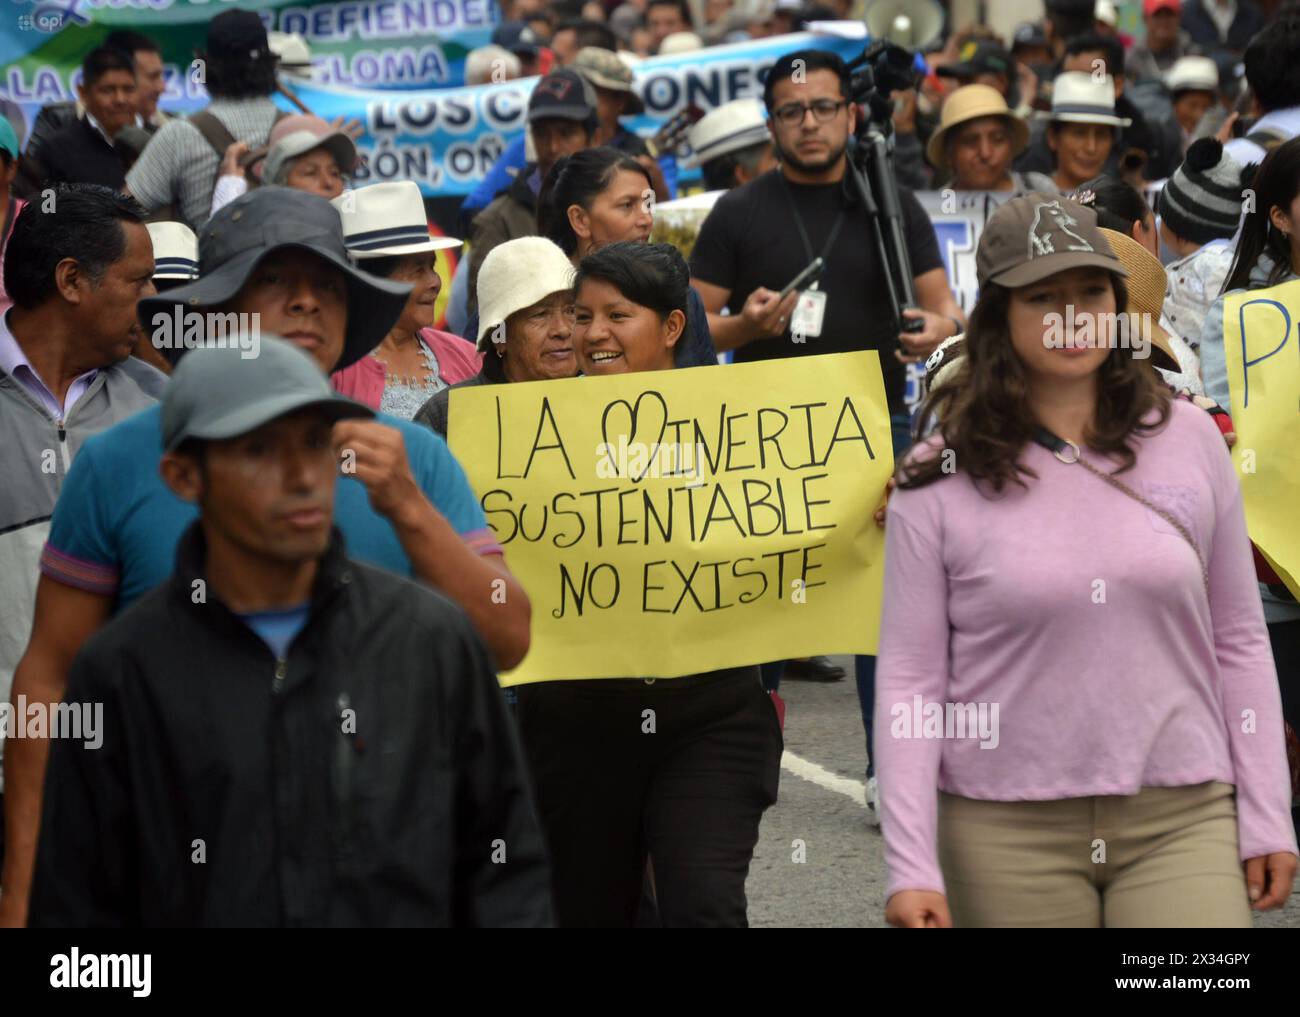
{"points": [[1261, 345], [675, 522]]}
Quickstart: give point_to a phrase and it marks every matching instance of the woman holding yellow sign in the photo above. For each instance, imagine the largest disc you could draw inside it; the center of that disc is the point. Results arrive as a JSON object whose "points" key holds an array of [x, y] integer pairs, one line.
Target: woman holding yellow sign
{"points": [[677, 770]]}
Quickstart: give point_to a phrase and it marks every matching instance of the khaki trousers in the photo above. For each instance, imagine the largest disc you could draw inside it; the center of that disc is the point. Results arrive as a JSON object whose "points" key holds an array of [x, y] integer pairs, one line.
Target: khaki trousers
{"points": [[1164, 858]]}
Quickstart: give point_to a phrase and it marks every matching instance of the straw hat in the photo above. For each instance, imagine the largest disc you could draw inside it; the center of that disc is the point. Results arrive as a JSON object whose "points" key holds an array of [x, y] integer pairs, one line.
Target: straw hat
{"points": [[1146, 293], [970, 102]]}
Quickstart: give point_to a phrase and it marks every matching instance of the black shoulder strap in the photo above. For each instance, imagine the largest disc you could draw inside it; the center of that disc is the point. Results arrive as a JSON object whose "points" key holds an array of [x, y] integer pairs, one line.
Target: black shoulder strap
{"points": [[214, 131], [1266, 139]]}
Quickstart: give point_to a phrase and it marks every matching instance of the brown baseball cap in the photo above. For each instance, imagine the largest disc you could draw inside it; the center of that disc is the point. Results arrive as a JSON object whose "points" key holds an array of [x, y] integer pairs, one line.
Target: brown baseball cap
{"points": [[1037, 235]]}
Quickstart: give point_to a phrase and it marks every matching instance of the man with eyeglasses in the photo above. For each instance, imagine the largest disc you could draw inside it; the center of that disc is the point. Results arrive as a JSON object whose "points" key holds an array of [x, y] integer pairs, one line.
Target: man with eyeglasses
{"points": [[760, 236]]}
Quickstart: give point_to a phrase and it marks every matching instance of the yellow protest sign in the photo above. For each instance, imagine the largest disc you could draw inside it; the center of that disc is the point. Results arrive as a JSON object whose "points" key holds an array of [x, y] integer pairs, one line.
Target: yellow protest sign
{"points": [[1261, 345], [673, 522]]}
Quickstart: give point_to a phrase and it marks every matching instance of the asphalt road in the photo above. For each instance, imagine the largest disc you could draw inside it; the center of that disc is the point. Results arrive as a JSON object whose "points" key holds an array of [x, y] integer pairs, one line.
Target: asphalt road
{"points": [[841, 880]]}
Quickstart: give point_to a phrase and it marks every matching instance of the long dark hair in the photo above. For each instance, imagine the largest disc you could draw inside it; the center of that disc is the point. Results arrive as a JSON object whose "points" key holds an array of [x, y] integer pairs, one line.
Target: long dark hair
{"points": [[983, 410], [239, 78], [578, 179], [1276, 183]]}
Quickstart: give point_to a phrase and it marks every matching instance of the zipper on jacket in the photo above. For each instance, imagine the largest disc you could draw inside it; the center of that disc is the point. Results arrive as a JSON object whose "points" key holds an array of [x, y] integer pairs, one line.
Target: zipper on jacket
{"points": [[63, 445], [343, 775], [281, 668]]}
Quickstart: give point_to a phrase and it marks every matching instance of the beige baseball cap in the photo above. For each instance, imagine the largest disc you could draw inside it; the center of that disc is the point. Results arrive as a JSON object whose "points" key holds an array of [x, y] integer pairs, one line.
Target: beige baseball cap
{"points": [[1037, 235], [606, 69]]}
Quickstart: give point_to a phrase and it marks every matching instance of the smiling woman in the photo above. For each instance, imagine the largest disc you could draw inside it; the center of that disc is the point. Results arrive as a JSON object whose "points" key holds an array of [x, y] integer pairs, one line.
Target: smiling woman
{"points": [[602, 196], [630, 304], [1084, 127], [525, 330], [691, 802]]}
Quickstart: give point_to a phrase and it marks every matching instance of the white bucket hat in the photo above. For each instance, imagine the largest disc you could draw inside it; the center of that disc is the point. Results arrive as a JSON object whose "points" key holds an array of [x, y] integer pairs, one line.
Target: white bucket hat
{"points": [[175, 250], [1078, 98], [387, 219], [1193, 73], [729, 128], [680, 42], [515, 275]]}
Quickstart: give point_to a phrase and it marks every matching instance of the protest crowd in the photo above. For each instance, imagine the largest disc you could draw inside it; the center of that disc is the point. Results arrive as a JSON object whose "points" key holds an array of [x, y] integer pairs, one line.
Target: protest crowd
{"points": [[246, 535]]}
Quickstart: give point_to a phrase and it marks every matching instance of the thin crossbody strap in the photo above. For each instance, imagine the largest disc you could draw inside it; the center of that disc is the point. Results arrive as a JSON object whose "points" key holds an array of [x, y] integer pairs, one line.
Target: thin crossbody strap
{"points": [[1059, 446]]}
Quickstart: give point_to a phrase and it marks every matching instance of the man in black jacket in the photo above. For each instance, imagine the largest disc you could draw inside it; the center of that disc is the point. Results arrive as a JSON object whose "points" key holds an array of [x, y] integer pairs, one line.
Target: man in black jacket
{"points": [[84, 151], [287, 737]]}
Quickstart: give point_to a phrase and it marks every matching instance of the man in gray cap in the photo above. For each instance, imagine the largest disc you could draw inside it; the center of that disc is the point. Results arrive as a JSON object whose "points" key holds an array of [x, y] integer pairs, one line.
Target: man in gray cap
{"points": [[402, 502], [331, 736]]}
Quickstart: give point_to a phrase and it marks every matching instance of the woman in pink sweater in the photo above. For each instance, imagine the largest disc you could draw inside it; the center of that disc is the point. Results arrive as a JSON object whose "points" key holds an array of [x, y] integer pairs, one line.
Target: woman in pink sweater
{"points": [[1077, 715], [387, 234]]}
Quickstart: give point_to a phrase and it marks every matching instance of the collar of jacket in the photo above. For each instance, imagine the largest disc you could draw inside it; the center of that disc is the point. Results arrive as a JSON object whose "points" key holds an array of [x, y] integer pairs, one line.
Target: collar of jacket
{"points": [[521, 188], [332, 577]]}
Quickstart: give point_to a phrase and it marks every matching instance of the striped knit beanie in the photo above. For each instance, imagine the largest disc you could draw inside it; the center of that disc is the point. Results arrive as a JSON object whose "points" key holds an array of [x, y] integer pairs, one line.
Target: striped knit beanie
{"points": [[1201, 201]]}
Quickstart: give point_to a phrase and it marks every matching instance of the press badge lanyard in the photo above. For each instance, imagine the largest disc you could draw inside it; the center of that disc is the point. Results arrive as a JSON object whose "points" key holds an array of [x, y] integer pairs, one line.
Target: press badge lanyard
{"points": [[1068, 453], [810, 311]]}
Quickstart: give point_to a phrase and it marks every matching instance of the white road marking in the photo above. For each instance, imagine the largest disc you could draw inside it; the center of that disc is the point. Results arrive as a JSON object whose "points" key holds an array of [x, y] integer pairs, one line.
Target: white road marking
{"points": [[822, 777]]}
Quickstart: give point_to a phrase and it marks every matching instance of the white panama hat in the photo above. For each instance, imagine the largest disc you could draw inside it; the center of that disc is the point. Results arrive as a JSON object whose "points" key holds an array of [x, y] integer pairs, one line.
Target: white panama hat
{"points": [[387, 219], [175, 250], [729, 128], [1079, 98]]}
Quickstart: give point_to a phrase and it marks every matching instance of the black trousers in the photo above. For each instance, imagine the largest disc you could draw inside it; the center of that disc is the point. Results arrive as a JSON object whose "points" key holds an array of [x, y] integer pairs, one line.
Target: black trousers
{"points": [[680, 770], [1285, 640]]}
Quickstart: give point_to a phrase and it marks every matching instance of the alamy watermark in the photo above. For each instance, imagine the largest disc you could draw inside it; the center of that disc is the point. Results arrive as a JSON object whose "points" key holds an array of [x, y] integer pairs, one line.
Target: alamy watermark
{"points": [[919, 719], [1124, 330], [636, 460], [82, 722], [179, 329], [77, 970]]}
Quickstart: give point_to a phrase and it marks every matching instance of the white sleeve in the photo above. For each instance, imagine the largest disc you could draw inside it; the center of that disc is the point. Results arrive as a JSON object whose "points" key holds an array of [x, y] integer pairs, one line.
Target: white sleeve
{"points": [[226, 191]]}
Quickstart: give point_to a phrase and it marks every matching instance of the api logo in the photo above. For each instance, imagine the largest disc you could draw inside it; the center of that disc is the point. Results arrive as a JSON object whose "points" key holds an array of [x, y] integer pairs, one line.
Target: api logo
{"points": [[52, 16]]}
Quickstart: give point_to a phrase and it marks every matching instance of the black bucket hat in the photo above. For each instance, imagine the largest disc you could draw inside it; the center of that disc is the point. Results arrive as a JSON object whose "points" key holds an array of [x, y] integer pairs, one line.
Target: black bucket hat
{"points": [[267, 219]]}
